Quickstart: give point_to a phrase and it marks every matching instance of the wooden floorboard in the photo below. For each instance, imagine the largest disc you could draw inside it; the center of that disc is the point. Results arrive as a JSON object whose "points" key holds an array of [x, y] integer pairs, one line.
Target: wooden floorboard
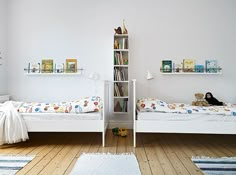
{"points": [[157, 154]]}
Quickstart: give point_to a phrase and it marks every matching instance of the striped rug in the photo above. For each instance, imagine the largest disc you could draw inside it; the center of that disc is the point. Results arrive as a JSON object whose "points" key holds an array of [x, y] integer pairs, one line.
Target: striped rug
{"points": [[10, 164], [216, 166]]}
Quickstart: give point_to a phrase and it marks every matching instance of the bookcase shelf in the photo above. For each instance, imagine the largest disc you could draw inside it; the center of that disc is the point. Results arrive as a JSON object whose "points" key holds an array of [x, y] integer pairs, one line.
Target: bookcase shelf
{"points": [[121, 71]]}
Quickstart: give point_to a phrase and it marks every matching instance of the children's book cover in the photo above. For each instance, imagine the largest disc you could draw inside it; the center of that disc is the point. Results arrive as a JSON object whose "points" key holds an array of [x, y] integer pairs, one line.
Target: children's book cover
{"points": [[211, 66], [166, 65], [199, 68], [47, 66], [188, 65], [34, 68], [71, 65]]}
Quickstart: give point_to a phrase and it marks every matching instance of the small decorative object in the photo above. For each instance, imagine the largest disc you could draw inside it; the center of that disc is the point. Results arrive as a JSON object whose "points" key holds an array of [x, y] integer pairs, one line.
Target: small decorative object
{"points": [[59, 68], [125, 31], [166, 66], [118, 30], [212, 100], [149, 75], [200, 101], [71, 65], [34, 68], [211, 66], [116, 44], [189, 65], [123, 132], [47, 66], [199, 68], [115, 131], [126, 62]]}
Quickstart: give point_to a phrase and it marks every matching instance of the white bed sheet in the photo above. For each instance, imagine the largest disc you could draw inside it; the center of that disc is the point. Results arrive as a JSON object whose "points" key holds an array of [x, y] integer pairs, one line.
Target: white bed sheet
{"points": [[61, 116], [183, 117]]}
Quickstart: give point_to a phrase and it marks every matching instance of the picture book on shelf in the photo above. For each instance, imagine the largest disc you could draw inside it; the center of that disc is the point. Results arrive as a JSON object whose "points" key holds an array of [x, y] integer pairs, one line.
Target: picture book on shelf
{"points": [[166, 65], [188, 65], [178, 67], [71, 65], [211, 66], [59, 68], [34, 68], [199, 68], [47, 66]]}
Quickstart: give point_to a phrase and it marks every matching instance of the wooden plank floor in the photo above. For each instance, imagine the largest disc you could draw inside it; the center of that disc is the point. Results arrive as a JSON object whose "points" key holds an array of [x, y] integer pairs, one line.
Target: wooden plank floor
{"points": [[56, 153]]}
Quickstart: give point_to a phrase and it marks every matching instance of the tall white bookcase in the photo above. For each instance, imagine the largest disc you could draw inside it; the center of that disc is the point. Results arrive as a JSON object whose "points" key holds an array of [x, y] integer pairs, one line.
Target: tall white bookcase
{"points": [[121, 74]]}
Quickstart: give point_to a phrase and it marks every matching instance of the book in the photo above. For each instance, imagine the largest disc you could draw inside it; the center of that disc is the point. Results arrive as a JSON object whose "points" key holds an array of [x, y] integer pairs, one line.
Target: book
{"points": [[34, 68], [199, 68], [166, 66], [59, 68], [211, 66], [188, 65], [178, 67], [47, 66], [71, 65]]}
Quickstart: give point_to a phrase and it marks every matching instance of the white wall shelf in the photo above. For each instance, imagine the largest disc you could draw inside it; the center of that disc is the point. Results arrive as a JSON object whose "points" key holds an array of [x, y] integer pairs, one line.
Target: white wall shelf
{"points": [[190, 73], [53, 74], [79, 72]]}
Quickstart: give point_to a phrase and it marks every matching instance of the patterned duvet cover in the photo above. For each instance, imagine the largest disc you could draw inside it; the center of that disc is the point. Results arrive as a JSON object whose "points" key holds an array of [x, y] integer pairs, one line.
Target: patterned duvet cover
{"points": [[156, 105], [87, 104]]}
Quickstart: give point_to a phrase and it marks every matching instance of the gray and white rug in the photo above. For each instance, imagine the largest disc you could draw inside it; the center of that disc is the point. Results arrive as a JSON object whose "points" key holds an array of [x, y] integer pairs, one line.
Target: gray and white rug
{"points": [[106, 164], [216, 166], [10, 164]]}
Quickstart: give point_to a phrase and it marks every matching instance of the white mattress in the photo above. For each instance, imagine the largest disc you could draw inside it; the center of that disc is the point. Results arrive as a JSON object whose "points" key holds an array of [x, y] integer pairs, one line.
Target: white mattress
{"points": [[61, 116], [183, 117]]}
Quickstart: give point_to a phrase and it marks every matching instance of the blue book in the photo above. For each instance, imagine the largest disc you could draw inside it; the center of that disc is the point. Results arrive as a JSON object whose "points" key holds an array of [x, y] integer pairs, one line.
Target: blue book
{"points": [[211, 66], [199, 68]]}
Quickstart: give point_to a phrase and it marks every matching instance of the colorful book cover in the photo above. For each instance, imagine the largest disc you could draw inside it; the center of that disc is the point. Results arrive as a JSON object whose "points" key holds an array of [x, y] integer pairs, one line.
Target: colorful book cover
{"points": [[71, 65], [34, 68], [199, 68], [188, 65], [166, 65], [59, 68], [47, 66], [211, 66], [178, 67]]}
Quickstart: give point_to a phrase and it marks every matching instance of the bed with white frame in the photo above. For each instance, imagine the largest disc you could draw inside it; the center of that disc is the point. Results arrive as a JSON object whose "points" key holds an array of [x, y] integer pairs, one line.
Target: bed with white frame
{"points": [[90, 122], [178, 126]]}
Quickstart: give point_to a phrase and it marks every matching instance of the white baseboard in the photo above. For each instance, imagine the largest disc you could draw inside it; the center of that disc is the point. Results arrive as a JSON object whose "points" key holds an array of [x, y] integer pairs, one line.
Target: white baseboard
{"points": [[114, 124]]}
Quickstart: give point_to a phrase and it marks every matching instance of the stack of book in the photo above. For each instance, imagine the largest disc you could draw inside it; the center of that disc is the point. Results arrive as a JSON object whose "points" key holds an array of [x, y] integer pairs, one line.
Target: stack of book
{"points": [[118, 60], [121, 43], [118, 90], [119, 74]]}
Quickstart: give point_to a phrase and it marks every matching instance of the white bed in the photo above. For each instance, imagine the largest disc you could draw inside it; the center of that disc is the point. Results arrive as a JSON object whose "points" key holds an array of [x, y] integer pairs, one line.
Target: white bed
{"points": [[68, 122], [155, 122]]}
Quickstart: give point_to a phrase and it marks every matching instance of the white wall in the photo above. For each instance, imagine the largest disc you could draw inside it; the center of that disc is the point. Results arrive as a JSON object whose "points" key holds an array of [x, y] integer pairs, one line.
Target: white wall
{"points": [[158, 29], [3, 46]]}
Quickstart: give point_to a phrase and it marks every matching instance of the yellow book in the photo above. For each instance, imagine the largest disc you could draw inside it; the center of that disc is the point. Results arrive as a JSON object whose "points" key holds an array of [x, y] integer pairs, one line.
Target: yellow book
{"points": [[189, 65], [47, 66], [71, 65]]}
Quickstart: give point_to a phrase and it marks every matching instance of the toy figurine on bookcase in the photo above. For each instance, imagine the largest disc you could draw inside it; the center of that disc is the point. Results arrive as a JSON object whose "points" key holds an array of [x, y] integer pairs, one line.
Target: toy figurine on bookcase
{"points": [[125, 31], [118, 30]]}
